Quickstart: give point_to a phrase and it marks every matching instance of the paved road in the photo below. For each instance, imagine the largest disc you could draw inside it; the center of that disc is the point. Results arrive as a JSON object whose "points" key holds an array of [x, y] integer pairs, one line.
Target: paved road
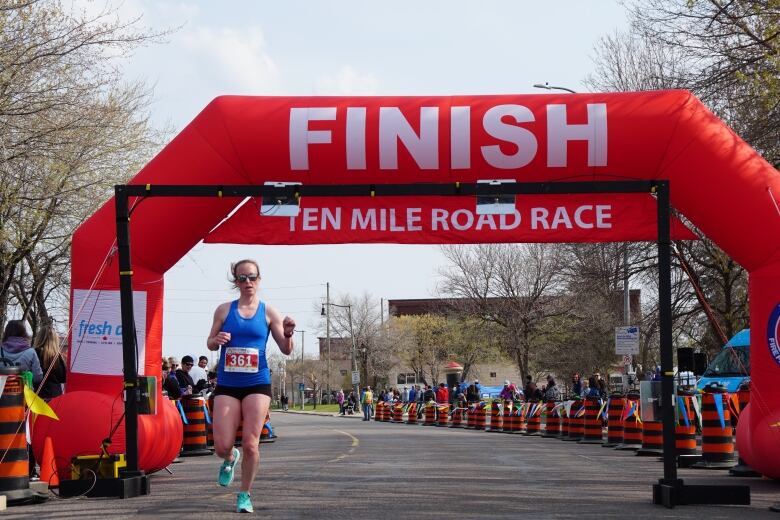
{"points": [[344, 468]]}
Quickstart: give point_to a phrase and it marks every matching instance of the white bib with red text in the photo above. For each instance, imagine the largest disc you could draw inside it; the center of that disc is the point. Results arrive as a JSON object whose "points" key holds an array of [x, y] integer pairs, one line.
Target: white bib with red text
{"points": [[241, 359]]}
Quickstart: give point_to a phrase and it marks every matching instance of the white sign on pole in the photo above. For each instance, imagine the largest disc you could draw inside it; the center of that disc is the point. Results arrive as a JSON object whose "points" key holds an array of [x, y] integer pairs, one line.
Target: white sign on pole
{"points": [[627, 340], [355, 377]]}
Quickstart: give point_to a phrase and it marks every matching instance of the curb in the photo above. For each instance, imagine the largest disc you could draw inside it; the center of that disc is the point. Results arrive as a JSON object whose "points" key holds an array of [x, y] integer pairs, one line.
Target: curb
{"points": [[321, 414]]}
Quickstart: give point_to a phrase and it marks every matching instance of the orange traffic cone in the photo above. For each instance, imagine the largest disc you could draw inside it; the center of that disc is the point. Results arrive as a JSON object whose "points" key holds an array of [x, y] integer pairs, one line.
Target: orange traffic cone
{"points": [[48, 465]]}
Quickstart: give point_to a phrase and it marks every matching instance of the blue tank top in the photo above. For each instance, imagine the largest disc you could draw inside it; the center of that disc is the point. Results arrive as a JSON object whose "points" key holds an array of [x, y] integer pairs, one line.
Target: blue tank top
{"points": [[242, 360]]}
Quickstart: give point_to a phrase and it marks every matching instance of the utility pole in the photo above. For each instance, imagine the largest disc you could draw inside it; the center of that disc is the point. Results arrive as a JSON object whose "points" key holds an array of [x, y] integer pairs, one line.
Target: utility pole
{"points": [[303, 374], [327, 332]]}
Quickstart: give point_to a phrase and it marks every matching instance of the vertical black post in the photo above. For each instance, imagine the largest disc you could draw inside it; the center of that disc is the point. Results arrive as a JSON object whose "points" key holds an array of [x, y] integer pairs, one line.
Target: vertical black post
{"points": [[665, 330], [129, 357]]}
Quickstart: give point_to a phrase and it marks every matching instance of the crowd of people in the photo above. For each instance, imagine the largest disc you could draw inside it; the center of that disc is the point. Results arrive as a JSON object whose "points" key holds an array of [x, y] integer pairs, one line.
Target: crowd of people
{"points": [[463, 393]]}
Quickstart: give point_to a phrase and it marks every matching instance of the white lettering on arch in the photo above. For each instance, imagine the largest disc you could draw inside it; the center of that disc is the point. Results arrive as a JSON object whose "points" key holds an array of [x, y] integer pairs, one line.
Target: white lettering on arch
{"points": [[394, 127]]}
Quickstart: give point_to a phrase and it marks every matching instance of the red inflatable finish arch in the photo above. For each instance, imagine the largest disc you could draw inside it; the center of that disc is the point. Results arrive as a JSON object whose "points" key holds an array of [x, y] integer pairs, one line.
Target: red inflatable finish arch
{"points": [[721, 184]]}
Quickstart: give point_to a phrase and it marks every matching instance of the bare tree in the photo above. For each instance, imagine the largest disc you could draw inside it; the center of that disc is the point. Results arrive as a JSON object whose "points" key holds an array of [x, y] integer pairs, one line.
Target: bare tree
{"points": [[70, 128], [513, 286]]}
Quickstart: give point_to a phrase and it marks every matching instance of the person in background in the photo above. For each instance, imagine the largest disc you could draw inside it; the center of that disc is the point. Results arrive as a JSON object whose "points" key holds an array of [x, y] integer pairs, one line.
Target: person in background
{"points": [[47, 346], [199, 371], [412, 397], [367, 401], [405, 395], [472, 394], [352, 402], [443, 394], [340, 400], [593, 387], [576, 384], [188, 386], [285, 402], [507, 393], [16, 350], [552, 393], [169, 383]]}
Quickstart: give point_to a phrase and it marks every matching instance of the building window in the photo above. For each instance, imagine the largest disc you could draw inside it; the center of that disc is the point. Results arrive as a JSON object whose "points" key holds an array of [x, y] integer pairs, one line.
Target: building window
{"points": [[406, 379], [343, 372], [493, 375]]}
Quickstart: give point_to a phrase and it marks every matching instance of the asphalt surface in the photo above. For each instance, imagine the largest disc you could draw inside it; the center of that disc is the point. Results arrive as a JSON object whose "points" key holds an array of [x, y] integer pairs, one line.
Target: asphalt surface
{"points": [[325, 467]]}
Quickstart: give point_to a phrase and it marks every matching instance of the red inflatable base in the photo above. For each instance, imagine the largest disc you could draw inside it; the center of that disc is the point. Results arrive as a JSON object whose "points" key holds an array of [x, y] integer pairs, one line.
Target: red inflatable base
{"points": [[87, 418]]}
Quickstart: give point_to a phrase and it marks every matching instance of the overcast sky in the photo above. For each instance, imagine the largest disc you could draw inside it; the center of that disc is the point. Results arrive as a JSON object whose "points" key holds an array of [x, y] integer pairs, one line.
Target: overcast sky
{"points": [[344, 48]]}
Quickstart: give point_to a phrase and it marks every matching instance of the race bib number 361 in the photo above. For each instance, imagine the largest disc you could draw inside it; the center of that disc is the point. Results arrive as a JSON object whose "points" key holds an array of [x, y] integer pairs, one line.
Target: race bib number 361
{"points": [[238, 359]]}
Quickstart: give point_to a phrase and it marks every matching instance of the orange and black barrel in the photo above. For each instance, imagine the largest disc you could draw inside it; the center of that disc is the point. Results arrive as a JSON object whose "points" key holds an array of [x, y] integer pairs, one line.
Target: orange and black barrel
{"points": [[616, 405], [685, 429], [652, 439], [195, 442], [386, 412], [552, 420], [495, 417], [509, 424], [411, 414], [442, 414], [576, 420], [15, 465], [481, 416], [632, 425], [378, 410], [592, 430], [717, 440], [267, 432], [471, 416], [456, 418], [398, 413], [429, 414], [534, 419], [520, 417]]}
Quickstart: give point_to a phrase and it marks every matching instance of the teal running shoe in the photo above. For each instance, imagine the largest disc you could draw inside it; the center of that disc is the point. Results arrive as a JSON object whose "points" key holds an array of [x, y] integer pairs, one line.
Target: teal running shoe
{"points": [[244, 503], [228, 469]]}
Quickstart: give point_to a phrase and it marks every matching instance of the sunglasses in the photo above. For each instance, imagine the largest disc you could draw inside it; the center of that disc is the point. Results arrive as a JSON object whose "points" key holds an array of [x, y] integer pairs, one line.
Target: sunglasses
{"points": [[186, 364], [242, 278]]}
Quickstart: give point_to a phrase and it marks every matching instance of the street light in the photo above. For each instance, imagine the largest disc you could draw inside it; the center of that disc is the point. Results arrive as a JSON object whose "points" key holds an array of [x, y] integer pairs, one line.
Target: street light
{"points": [[551, 87], [351, 333]]}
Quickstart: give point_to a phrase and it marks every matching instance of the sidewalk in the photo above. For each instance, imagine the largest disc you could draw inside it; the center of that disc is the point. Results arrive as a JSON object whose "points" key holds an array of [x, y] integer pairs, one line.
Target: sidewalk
{"points": [[323, 414]]}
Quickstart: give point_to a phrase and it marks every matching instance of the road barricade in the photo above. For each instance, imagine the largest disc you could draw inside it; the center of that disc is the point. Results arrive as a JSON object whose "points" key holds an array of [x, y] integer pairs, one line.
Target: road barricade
{"points": [[442, 414], [429, 414], [616, 405], [552, 420], [632, 423], [495, 417], [194, 443], [592, 429], [411, 413], [576, 420], [533, 413], [717, 441]]}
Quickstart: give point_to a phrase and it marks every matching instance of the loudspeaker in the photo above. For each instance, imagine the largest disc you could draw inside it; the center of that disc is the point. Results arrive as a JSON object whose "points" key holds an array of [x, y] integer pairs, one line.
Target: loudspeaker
{"points": [[685, 359], [699, 363]]}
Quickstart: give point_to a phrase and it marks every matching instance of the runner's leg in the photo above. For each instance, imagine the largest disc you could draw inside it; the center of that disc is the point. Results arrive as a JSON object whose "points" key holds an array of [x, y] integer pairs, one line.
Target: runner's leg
{"points": [[254, 408], [227, 415]]}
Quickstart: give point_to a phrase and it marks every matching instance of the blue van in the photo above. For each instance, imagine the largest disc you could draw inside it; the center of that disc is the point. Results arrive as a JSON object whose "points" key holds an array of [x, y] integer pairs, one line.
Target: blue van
{"points": [[731, 367]]}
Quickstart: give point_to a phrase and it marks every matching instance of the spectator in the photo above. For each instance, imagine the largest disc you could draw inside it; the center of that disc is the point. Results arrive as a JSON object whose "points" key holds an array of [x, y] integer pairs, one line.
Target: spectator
{"points": [[340, 400], [352, 402], [506, 393], [48, 348], [367, 401], [442, 394], [593, 387], [552, 393], [429, 394], [170, 384], [405, 396], [188, 386], [199, 371], [472, 392], [533, 393], [576, 385], [528, 389], [16, 350], [412, 395], [602, 385], [285, 402]]}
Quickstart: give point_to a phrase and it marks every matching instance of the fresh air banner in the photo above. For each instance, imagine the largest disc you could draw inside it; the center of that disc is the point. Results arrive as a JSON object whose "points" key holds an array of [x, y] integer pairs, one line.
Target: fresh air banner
{"points": [[96, 347]]}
